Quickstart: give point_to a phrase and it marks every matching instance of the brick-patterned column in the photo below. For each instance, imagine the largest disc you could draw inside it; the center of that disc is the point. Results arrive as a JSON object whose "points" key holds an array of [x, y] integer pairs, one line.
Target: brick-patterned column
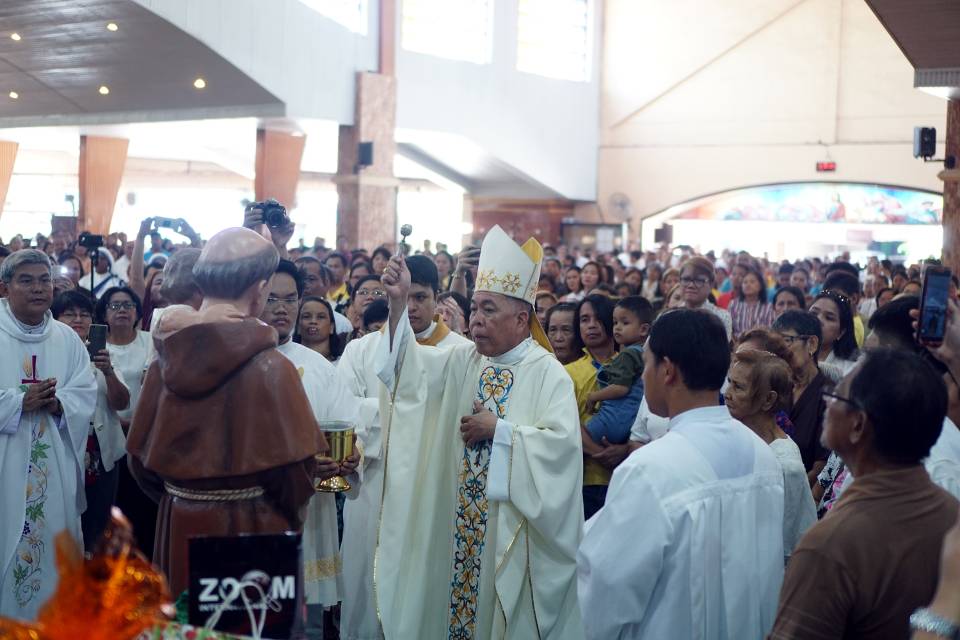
{"points": [[101, 170], [278, 166], [8, 155], [367, 207]]}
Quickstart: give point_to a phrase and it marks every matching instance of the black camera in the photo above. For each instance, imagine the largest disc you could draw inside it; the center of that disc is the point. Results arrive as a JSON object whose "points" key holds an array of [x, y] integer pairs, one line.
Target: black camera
{"points": [[90, 241], [274, 214]]}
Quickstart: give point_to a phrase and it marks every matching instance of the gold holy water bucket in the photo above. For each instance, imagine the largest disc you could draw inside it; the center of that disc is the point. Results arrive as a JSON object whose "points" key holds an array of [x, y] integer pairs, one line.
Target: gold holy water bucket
{"points": [[339, 435]]}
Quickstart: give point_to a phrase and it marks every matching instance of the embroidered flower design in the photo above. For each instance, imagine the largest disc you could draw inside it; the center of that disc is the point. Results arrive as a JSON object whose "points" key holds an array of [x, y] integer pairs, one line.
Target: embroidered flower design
{"points": [[486, 279], [510, 283]]}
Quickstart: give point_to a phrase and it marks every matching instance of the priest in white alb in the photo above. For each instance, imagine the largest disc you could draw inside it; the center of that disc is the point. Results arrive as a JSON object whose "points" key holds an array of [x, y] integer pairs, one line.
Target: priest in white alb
{"points": [[361, 514], [47, 398], [482, 507]]}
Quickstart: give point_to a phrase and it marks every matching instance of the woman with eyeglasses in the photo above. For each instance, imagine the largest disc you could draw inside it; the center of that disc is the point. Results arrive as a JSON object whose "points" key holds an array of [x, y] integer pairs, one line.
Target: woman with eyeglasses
{"points": [[801, 331], [839, 345], [316, 328], [367, 289], [106, 443], [696, 280], [119, 308]]}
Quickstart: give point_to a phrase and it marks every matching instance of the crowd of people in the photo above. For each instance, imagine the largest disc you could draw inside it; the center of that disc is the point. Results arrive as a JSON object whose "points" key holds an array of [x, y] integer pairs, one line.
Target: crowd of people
{"points": [[687, 445]]}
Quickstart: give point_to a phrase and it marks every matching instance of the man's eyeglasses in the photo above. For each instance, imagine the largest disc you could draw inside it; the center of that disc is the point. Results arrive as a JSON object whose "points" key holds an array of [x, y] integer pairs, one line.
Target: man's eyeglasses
{"points": [[116, 306], [287, 302], [696, 282], [832, 397], [376, 293]]}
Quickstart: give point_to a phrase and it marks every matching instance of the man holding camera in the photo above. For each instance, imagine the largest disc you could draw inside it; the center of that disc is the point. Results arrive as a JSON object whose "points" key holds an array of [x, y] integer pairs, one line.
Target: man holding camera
{"points": [[270, 219], [47, 398]]}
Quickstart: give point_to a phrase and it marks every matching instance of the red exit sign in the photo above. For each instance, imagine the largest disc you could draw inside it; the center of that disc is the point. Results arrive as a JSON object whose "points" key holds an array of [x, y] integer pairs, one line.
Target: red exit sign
{"points": [[826, 166]]}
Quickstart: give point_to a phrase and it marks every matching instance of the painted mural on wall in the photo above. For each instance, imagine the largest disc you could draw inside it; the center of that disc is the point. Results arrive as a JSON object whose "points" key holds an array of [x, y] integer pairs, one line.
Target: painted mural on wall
{"points": [[823, 202]]}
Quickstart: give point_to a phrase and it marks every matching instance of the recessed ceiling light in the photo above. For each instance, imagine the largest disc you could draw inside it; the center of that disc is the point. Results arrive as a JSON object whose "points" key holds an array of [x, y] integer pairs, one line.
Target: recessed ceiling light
{"points": [[15, 36], [14, 95], [104, 89], [199, 83], [112, 26]]}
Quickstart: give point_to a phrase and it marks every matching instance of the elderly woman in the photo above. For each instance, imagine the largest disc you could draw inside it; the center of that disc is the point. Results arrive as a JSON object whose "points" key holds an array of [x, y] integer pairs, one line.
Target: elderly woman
{"points": [[106, 442], [760, 385], [561, 331], [801, 332], [838, 343]]}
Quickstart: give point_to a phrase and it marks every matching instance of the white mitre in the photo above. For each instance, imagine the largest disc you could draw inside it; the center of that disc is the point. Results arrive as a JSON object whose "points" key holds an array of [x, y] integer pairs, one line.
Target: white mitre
{"points": [[512, 270]]}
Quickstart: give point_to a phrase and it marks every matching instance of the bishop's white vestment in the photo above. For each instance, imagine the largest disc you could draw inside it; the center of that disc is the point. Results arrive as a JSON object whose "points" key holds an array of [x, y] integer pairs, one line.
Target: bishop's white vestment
{"points": [[330, 399], [41, 456], [690, 541], [480, 541]]}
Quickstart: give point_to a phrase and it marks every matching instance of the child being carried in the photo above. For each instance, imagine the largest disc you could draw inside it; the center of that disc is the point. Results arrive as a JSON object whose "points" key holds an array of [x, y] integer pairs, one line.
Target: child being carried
{"points": [[621, 381]]}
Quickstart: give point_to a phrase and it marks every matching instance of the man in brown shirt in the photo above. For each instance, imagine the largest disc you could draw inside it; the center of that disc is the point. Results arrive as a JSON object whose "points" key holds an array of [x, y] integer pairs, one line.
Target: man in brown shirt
{"points": [[862, 570]]}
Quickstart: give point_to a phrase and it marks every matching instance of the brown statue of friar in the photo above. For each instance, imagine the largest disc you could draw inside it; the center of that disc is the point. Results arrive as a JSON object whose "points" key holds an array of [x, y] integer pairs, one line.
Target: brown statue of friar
{"points": [[223, 436]]}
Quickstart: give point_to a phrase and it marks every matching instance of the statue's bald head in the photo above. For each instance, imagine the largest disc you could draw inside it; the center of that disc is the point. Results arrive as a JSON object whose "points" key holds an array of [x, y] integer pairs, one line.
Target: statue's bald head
{"points": [[234, 260]]}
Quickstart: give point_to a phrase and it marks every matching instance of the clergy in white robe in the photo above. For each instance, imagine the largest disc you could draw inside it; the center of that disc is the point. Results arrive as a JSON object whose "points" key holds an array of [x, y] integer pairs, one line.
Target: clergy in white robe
{"points": [[361, 514], [47, 399], [482, 510], [690, 541], [329, 399]]}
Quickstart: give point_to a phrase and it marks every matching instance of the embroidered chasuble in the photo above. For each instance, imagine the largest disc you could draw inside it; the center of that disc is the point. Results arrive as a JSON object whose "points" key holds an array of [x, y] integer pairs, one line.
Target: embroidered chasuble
{"points": [[41, 456], [477, 542]]}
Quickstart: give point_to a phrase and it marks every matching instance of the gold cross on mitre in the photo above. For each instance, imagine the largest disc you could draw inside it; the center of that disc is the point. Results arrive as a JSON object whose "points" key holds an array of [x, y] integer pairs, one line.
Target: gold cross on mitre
{"points": [[512, 270]]}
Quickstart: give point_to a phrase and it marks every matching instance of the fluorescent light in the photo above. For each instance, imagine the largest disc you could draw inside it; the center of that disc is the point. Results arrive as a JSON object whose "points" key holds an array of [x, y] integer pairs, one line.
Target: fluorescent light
{"points": [[200, 83], [14, 95], [104, 89], [15, 37], [112, 26]]}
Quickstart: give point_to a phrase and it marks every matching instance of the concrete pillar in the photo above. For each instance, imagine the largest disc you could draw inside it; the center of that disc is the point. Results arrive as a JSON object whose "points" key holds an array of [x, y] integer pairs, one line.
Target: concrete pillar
{"points": [[101, 170], [367, 207], [8, 155], [278, 166], [951, 191]]}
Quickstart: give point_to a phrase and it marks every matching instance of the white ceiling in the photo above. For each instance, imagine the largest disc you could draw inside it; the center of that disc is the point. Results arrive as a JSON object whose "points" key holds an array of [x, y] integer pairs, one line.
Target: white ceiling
{"points": [[66, 53]]}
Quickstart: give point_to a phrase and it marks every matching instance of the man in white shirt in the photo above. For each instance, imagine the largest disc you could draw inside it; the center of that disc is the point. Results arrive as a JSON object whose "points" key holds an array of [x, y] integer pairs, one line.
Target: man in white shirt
{"points": [[690, 541]]}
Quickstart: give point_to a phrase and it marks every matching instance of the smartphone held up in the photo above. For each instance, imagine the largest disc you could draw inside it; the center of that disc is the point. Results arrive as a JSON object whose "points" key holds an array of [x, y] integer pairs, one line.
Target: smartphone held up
{"points": [[96, 339], [932, 321]]}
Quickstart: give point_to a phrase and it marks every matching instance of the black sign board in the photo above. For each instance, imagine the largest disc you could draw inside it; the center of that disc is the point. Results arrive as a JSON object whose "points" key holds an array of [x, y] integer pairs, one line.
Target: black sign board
{"points": [[239, 582]]}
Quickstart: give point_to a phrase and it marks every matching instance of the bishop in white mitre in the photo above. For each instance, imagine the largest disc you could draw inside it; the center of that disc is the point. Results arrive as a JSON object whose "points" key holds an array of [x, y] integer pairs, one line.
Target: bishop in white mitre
{"points": [[482, 508], [361, 514], [47, 398]]}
